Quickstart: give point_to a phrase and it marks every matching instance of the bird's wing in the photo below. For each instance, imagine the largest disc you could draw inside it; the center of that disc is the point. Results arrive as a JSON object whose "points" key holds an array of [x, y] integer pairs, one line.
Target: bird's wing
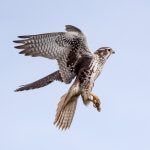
{"points": [[64, 115], [41, 82], [65, 47]]}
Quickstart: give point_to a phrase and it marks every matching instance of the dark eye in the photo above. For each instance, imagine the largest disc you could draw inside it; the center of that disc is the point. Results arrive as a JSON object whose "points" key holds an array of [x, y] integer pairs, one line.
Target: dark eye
{"points": [[109, 50]]}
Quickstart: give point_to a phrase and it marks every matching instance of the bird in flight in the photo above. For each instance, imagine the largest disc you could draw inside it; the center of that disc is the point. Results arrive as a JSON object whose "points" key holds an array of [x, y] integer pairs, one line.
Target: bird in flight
{"points": [[75, 61]]}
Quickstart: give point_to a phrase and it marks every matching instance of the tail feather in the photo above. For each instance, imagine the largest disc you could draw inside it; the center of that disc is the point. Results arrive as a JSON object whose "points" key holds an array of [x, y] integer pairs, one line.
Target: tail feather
{"points": [[41, 82], [67, 106], [64, 116]]}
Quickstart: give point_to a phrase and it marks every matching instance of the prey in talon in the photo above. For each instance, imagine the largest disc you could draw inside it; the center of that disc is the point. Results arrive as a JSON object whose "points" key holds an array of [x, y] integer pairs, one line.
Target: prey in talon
{"points": [[88, 97], [96, 102], [75, 61]]}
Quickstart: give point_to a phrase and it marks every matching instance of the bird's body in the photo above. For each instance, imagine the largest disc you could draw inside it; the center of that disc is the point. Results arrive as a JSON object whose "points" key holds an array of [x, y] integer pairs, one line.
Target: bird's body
{"points": [[75, 61]]}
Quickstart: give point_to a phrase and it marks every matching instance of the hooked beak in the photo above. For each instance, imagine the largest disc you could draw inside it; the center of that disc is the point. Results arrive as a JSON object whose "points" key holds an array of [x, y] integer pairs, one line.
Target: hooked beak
{"points": [[113, 52]]}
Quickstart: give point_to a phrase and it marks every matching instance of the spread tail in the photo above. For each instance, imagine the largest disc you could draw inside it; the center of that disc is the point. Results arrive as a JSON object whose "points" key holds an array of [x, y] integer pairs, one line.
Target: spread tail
{"points": [[64, 116], [66, 107]]}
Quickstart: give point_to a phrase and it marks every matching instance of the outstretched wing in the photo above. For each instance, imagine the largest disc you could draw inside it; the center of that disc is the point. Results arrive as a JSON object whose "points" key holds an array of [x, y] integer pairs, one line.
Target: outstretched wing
{"points": [[65, 47], [41, 82]]}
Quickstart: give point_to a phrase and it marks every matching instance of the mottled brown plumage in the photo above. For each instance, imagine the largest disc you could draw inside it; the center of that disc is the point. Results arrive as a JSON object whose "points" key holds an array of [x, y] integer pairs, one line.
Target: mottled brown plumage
{"points": [[74, 60]]}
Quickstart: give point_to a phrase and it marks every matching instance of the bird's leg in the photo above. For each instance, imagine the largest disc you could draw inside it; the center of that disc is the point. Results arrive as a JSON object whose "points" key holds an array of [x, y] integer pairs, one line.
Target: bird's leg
{"points": [[96, 101], [87, 96]]}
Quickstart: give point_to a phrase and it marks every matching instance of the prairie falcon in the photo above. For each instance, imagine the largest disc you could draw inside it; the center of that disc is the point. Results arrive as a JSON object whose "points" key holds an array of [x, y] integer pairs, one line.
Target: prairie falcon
{"points": [[75, 60]]}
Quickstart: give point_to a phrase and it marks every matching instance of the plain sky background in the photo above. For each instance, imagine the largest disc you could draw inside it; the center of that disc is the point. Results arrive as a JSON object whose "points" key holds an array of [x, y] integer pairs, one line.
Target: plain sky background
{"points": [[26, 118]]}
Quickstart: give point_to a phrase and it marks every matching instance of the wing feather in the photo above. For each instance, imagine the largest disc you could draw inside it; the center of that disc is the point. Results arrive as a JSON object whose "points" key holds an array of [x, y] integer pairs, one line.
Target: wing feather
{"points": [[65, 47], [41, 82]]}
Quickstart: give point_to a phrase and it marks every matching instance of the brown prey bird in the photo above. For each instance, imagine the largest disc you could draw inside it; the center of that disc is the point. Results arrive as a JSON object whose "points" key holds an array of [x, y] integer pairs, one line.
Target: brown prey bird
{"points": [[75, 60]]}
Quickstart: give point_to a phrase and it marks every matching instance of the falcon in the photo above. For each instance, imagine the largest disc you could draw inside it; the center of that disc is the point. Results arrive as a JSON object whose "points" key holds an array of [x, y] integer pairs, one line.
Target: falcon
{"points": [[75, 61]]}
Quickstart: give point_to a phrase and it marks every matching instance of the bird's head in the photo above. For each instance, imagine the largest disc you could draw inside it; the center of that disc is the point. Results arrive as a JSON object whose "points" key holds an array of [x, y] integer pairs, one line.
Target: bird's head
{"points": [[104, 52]]}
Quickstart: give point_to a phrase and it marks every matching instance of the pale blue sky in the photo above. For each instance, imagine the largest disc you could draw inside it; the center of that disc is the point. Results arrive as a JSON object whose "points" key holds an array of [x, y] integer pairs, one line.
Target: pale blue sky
{"points": [[26, 118]]}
